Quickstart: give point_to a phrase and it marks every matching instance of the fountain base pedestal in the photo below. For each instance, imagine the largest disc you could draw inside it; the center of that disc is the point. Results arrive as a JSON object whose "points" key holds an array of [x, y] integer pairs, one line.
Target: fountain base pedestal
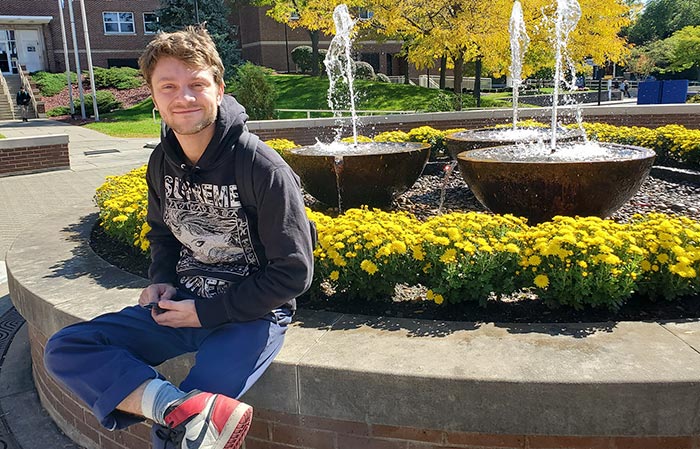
{"points": [[539, 190]]}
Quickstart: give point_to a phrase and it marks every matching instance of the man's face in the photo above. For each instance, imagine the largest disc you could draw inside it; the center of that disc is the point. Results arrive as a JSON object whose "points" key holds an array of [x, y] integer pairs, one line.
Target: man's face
{"points": [[187, 98]]}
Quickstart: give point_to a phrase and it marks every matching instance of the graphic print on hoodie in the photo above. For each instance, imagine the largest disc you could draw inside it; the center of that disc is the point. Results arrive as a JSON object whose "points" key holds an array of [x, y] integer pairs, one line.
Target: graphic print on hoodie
{"points": [[249, 258], [209, 222]]}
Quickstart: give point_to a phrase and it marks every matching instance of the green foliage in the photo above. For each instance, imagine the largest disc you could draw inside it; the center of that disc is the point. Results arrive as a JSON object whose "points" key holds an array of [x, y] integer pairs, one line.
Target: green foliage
{"points": [[694, 99], [685, 47], [58, 111], [105, 103], [382, 78], [444, 101], [117, 77], [364, 71], [661, 18], [302, 56], [175, 15], [50, 84], [254, 91]]}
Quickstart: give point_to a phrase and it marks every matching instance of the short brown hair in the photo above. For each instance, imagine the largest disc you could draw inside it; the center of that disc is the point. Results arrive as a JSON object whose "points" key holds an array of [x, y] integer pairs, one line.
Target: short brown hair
{"points": [[193, 46]]}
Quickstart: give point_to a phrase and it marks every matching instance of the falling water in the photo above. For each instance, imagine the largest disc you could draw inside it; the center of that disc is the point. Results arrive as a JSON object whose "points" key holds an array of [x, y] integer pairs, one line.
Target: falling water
{"points": [[568, 15], [519, 40], [339, 63], [448, 172], [338, 166]]}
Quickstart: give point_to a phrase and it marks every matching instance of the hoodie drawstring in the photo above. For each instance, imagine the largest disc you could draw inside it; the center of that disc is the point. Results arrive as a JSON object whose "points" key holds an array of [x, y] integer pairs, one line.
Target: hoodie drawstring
{"points": [[190, 172]]}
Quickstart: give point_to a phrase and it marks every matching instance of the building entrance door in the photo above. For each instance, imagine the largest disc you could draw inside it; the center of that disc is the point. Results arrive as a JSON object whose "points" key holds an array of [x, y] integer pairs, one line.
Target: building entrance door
{"points": [[7, 46], [30, 51]]}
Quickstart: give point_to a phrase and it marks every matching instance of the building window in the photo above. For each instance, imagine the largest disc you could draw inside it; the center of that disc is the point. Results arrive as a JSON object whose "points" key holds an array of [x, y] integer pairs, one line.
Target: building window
{"points": [[150, 23], [365, 14], [118, 22]]}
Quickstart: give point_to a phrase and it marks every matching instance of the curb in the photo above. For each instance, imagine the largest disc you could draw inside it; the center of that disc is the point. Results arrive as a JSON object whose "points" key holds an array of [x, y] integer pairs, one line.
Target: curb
{"points": [[675, 174], [24, 419]]}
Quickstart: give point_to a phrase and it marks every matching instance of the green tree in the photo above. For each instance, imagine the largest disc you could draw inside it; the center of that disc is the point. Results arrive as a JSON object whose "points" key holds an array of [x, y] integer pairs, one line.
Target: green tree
{"points": [[661, 18], [175, 15], [678, 53], [254, 91], [685, 49]]}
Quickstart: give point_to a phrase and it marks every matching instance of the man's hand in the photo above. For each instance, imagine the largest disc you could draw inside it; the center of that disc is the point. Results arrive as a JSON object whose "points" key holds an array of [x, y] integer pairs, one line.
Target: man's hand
{"points": [[177, 314], [168, 312], [155, 292]]}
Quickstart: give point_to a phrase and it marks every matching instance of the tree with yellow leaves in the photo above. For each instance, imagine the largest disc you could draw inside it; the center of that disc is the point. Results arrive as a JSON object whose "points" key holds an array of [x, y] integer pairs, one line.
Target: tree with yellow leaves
{"points": [[474, 30], [455, 29], [316, 16]]}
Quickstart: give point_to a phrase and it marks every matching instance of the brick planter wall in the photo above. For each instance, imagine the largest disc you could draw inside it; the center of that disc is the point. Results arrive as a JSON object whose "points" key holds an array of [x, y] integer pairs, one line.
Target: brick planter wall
{"points": [[278, 430], [33, 154]]}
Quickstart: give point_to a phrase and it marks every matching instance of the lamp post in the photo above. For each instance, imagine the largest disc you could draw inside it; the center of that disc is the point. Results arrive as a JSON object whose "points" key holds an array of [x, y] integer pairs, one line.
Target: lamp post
{"points": [[89, 60], [286, 46], [196, 11], [77, 58], [66, 58]]}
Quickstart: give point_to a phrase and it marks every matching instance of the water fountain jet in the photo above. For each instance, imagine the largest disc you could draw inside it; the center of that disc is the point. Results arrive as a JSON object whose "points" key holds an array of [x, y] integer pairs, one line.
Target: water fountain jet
{"points": [[351, 175], [522, 175]]}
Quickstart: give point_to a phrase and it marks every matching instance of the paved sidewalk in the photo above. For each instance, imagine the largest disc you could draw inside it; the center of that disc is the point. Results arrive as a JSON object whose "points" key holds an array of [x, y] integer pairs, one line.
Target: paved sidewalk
{"points": [[25, 199]]}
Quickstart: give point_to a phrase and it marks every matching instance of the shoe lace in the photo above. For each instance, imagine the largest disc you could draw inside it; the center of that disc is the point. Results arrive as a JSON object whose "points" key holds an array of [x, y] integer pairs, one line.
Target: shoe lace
{"points": [[172, 437]]}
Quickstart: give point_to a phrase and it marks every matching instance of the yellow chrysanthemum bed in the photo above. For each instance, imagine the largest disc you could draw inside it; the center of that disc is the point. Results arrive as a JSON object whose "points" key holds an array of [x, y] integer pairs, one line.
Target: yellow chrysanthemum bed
{"points": [[473, 256]]}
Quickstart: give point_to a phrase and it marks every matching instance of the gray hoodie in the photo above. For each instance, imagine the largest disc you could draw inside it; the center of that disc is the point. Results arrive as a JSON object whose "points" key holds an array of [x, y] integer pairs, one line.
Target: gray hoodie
{"points": [[240, 262]]}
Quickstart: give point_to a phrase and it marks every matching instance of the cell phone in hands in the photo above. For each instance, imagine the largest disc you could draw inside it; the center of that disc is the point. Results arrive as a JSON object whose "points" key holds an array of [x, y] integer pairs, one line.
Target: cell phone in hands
{"points": [[154, 306]]}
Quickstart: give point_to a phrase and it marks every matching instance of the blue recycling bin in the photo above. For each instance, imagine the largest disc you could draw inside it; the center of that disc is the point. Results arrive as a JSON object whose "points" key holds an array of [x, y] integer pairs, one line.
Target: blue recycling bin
{"points": [[674, 91], [649, 92], [662, 92]]}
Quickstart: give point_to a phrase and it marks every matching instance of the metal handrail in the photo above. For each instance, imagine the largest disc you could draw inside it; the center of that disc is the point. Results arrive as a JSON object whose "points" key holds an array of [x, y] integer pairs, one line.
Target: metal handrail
{"points": [[342, 112], [24, 81], [9, 96]]}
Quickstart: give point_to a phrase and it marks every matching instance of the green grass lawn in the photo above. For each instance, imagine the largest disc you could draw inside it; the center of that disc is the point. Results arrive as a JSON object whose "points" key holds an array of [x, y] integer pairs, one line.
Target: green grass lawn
{"points": [[136, 121], [298, 92], [306, 92]]}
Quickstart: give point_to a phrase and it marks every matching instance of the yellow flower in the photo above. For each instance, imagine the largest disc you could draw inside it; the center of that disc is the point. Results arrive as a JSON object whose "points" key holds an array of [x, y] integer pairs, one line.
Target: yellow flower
{"points": [[334, 275], [368, 266], [542, 281], [398, 247], [439, 299], [449, 256], [534, 260], [512, 248]]}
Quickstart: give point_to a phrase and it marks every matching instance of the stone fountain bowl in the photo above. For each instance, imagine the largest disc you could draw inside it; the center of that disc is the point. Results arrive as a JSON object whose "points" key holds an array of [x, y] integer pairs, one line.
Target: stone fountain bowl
{"points": [[495, 137], [371, 174], [540, 187]]}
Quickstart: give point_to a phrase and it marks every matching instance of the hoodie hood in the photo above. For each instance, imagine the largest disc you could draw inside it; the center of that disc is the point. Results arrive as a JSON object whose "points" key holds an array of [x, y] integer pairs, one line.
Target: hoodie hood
{"points": [[230, 123]]}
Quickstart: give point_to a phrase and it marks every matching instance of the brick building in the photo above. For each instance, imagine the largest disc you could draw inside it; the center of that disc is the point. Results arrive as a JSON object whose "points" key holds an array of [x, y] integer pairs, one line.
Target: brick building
{"points": [[269, 43], [30, 33]]}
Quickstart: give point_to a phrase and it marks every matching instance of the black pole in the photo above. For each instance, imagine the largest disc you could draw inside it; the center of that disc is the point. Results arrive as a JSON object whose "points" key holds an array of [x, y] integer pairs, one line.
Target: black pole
{"points": [[286, 46], [600, 88]]}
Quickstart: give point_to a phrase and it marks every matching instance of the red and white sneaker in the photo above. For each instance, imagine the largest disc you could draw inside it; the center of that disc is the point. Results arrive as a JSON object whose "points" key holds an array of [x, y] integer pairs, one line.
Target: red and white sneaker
{"points": [[208, 421]]}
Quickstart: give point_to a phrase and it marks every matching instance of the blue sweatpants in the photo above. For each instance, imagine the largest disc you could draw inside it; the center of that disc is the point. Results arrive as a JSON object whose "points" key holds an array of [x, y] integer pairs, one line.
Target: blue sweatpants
{"points": [[103, 360]]}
